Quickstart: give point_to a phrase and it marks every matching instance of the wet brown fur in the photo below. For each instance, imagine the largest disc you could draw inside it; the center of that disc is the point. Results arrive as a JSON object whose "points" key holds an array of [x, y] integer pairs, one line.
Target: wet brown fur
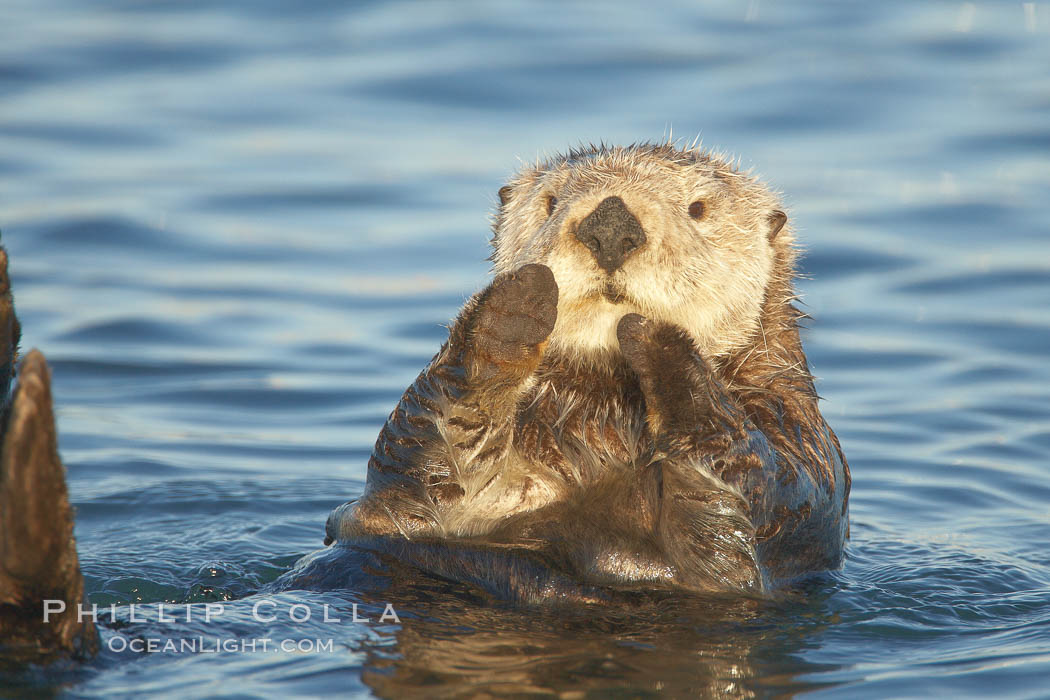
{"points": [[520, 462], [673, 460], [674, 455]]}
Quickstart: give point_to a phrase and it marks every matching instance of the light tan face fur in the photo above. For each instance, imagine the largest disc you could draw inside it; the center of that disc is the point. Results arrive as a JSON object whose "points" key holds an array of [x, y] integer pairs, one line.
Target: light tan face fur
{"points": [[709, 276]]}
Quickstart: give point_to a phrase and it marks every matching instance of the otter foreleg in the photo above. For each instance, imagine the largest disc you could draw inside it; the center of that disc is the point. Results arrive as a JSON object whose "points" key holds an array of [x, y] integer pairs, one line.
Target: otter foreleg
{"points": [[703, 523], [451, 431]]}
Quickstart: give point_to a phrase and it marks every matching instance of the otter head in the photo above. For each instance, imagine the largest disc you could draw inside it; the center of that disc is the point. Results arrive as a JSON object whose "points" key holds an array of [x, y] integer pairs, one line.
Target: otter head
{"points": [[675, 235]]}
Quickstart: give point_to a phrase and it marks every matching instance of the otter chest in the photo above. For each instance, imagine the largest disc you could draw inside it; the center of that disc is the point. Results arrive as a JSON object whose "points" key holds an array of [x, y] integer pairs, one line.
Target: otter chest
{"points": [[561, 442]]}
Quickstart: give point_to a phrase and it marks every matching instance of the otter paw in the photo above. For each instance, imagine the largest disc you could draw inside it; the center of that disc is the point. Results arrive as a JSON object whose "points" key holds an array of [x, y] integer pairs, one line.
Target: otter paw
{"points": [[657, 352], [633, 333], [517, 312], [674, 379]]}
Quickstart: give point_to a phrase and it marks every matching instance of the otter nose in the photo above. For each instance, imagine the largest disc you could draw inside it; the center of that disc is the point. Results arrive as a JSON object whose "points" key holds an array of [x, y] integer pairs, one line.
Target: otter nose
{"points": [[611, 232]]}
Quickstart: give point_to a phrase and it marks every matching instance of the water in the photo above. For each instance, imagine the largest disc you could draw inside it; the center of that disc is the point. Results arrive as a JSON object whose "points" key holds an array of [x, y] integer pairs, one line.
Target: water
{"points": [[237, 228]]}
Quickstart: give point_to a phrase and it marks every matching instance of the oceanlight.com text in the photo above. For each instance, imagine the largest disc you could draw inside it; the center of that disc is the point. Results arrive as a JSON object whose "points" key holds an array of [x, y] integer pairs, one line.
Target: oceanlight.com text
{"points": [[205, 645]]}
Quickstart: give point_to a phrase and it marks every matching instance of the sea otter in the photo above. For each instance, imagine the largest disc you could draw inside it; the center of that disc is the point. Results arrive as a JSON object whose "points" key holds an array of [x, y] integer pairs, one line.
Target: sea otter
{"points": [[626, 407], [627, 404]]}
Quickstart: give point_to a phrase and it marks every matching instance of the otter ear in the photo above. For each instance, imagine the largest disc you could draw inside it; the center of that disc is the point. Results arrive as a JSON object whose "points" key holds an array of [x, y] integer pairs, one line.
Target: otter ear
{"points": [[504, 194], [776, 222]]}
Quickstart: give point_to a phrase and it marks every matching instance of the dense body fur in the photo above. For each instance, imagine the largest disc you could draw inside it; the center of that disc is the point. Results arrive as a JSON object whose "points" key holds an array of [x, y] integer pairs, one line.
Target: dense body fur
{"points": [[593, 425]]}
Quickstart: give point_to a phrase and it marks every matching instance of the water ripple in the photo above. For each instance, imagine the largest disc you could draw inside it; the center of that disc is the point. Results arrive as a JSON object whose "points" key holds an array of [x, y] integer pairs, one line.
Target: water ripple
{"points": [[238, 230]]}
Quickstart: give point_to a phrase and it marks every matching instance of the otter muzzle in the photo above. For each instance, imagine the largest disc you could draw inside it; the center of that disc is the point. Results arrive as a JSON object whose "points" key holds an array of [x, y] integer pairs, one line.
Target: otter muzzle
{"points": [[611, 232]]}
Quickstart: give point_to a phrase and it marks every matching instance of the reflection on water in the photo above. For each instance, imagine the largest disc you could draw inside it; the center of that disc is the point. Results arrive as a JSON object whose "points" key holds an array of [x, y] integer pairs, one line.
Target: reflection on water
{"points": [[680, 648], [236, 230], [453, 639]]}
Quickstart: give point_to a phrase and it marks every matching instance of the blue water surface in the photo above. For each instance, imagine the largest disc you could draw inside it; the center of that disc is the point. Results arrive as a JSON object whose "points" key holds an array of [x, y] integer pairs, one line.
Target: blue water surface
{"points": [[236, 230]]}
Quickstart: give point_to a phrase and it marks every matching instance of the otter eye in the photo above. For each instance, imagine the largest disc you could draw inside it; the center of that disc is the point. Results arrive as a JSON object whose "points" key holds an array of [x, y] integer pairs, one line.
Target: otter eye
{"points": [[696, 210], [551, 203]]}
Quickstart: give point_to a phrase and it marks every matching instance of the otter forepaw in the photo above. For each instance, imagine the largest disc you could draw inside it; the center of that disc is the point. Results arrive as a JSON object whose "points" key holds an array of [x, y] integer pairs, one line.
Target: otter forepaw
{"points": [[633, 333], [515, 315], [680, 393], [659, 353]]}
